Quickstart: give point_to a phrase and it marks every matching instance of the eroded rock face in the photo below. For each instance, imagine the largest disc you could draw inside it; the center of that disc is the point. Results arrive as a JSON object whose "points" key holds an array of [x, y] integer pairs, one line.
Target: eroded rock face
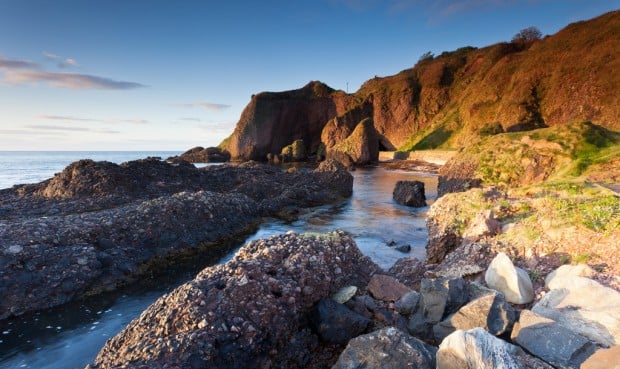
{"points": [[273, 120], [360, 147], [97, 225], [387, 348], [247, 313]]}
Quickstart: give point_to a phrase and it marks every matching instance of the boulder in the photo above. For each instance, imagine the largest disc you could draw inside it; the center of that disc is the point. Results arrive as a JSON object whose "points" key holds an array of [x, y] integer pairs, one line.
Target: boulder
{"points": [[490, 312], [409, 271], [584, 306], [335, 323], [294, 152], [386, 288], [409, 193], [407, 304], [438, 298], [344, 294], [580, 270], [603, 359], [334, 175], [387, 348], [250, 312], [550, 341], [478, 349], [512, 281], [362, 146]]}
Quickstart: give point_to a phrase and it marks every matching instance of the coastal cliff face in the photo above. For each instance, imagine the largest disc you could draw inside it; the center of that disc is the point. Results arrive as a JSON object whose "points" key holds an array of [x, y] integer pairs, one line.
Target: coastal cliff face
{"points": [[274, 120], [451, 99]]}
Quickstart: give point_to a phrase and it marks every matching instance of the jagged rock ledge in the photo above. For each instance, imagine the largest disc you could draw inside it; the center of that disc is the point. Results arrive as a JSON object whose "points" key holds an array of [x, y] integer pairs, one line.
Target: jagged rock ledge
{"points": [[96, 225]]}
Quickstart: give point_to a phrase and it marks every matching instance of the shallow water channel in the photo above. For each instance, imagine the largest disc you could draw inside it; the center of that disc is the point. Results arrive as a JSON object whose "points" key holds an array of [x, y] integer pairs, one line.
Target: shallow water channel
{"points": [[69, 337]]}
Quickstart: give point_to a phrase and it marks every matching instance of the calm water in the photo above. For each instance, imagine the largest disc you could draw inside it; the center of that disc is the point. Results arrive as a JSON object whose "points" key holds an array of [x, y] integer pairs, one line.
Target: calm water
{"points": [[70, 337]]}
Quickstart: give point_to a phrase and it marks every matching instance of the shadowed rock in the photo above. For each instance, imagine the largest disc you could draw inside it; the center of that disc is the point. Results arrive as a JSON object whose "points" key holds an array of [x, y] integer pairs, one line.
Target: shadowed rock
{"points": [[410, 193]]}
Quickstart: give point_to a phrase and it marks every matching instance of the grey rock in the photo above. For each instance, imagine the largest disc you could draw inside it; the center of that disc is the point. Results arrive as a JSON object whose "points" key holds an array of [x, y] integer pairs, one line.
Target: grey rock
{"points": [[490, 312], [550, 341], [335, 323], [438, 298], [387, 348], [410, 193], [478, 349], [407, 304], [584, 306], [403, 248], [344, 294], [513, 282]]}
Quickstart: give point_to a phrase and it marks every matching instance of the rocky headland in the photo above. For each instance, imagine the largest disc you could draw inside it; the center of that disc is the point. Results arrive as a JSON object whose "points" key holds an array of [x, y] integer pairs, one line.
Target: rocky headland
{"points": [[97, 225], [446, 101]]}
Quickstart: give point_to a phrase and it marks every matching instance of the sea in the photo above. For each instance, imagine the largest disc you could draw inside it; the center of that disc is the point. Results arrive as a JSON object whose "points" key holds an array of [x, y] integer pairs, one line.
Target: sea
{"points": [[20, 167]]}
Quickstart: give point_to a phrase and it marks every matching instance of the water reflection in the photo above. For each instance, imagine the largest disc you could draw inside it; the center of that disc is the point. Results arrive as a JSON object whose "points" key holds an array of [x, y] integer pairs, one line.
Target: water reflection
{"points": [[69, 337], [370, 215]]}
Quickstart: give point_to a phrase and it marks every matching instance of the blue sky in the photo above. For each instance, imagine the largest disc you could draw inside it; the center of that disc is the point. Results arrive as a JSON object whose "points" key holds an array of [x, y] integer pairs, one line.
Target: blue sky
{"points": [[170, 75]]}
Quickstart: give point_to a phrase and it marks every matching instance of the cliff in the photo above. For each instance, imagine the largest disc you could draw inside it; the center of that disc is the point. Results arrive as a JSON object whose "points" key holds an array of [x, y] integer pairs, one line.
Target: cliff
{"points": [[452, 99]]}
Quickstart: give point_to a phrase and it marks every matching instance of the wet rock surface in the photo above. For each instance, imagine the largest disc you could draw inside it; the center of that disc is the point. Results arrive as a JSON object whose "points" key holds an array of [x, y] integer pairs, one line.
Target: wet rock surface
{"points": [[251, 312], [97, 224], [410, 193]]}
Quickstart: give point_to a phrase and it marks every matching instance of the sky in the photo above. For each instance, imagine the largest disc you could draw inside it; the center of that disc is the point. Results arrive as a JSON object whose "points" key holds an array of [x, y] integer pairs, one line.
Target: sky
{"points": [[171, 75]]}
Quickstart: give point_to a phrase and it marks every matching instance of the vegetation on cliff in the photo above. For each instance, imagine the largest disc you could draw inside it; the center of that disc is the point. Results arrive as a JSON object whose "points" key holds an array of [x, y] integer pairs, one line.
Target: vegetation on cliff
{"points": [[453, 99], [553, 190]]}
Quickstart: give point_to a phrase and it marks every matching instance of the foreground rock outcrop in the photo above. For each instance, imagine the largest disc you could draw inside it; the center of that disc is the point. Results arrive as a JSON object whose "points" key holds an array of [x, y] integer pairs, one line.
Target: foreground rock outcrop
{"points": [[248, 313], [97, 225]]}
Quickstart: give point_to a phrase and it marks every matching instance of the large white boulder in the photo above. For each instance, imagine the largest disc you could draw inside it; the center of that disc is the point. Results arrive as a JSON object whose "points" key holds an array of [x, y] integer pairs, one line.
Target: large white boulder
{"points": [[512, 281]]}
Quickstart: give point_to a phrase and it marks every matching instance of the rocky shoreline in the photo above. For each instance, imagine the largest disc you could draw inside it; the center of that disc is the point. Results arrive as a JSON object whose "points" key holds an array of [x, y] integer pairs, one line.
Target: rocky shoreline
{"points": [[313, 301], [98, 225]]}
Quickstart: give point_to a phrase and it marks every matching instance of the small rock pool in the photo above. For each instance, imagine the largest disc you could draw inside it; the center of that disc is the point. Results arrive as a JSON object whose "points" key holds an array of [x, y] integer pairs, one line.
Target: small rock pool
{"points": [[69, 337]]}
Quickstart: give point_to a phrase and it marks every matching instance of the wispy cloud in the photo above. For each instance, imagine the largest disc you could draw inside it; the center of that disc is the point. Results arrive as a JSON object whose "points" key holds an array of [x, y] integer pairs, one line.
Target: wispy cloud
{"points": [[52, 128], [71, 81], [190, 119], [60, 61], [206, 105], [9, 64], [17, 72], [57, 128], [134, 121], [71, 118]]}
